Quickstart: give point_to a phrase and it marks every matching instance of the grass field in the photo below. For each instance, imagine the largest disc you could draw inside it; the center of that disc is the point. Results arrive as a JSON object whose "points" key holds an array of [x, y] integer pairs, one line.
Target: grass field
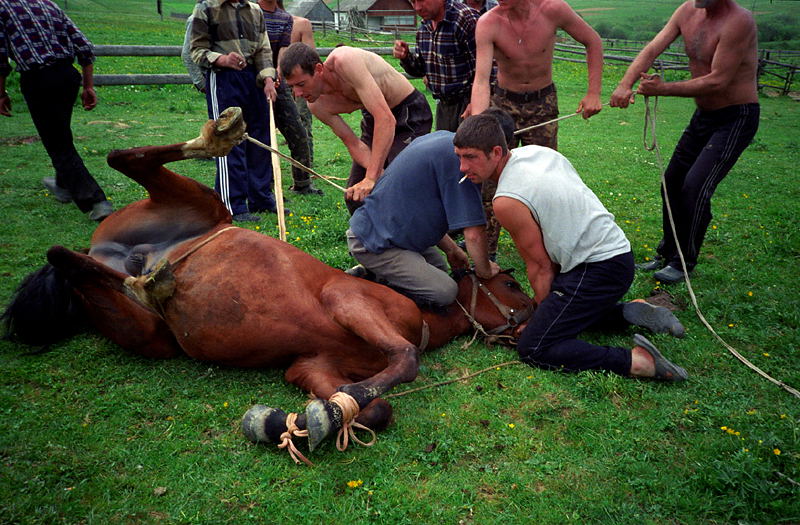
{"points": [[91, 434]]}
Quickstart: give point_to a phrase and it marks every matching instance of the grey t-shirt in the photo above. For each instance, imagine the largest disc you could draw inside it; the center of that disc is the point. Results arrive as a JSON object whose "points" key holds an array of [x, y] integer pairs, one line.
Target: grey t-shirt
{"points": [[575, 225]]}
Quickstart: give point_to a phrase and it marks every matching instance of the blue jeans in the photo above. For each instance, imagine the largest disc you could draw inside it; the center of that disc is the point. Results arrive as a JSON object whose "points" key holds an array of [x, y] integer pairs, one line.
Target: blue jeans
{"points": [[585, 297]]}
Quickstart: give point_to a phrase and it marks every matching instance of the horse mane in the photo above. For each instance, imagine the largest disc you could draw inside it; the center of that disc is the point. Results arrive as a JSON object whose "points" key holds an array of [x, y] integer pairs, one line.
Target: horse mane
{"points": [[43, 310]]}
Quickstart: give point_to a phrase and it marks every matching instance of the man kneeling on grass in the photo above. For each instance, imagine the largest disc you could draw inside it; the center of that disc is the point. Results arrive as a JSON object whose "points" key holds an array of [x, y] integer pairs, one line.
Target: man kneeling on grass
{"points": [[578, 260]]}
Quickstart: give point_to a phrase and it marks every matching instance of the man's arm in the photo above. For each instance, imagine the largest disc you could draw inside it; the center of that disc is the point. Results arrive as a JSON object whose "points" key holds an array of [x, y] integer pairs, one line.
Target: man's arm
{"points": [[359, 152], [623, 94], [88, 95], [353, 71], [734, 43], [411, 63], [484, 49], [478, 249], [517, 219], [577, 28]]}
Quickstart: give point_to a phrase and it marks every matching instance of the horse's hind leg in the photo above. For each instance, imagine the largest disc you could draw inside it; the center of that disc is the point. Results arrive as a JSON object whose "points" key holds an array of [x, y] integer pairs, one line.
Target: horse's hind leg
{"points": [[145, 165], [110, 310]]}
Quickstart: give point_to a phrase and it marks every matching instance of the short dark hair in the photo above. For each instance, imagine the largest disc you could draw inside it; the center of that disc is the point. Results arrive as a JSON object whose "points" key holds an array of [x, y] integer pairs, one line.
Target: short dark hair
{"points": [[482, 132], [507, 124], [299, 54]]}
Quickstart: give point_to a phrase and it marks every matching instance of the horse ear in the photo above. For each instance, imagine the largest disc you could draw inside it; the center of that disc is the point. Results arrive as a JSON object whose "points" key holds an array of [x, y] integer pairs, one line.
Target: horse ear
{"points": [[507, 271]]}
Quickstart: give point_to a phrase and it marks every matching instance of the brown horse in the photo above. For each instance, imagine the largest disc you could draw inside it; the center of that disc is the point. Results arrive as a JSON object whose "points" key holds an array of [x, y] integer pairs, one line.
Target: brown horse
{"points": [[236, 297]]}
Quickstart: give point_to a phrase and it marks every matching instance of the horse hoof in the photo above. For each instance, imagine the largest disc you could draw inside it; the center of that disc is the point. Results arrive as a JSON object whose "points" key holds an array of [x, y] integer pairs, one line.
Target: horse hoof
{"points": [[229, 118], [322, 418], [262, 424]]}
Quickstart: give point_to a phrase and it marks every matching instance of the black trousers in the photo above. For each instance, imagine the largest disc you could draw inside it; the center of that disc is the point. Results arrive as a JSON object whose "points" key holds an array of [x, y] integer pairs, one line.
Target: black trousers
{"points": [[585, 297], [50, 94], [709, 147]]}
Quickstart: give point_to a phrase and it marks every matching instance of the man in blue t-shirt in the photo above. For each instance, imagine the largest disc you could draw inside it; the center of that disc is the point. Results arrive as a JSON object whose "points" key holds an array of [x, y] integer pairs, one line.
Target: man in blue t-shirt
{"points": [[406, 217]]}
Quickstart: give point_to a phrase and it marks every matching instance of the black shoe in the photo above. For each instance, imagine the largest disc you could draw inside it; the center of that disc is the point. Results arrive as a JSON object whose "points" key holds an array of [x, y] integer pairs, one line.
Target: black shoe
{"points": [[310, 189], [665, 369], [60, 194], [669, 275], [246, 217], [656, 264], [360, 271], [101, 210]]}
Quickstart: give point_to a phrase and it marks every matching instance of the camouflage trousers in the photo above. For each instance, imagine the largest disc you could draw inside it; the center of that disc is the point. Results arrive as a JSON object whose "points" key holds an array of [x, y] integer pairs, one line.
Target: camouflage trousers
{"points": [[307, 119], [287, 119], [527, 109]]}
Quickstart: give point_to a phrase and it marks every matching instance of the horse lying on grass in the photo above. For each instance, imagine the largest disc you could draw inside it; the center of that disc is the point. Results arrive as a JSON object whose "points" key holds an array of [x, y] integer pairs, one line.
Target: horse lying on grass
{"points": [[170, 275]]}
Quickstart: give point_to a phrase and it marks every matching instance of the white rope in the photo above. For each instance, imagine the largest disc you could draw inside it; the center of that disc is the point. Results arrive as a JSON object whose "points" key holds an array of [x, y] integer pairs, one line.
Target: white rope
{"points": [[276, 176], [523, 130], [650, 119]]}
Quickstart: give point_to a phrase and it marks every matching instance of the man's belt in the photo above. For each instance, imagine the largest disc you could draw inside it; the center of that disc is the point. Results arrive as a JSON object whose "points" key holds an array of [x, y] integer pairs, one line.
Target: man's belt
{"points": [[523, 98]]}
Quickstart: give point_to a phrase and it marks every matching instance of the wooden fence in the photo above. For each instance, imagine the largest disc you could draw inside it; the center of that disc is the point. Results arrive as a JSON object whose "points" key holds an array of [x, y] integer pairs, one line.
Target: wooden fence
{"points": [[772, 73]]}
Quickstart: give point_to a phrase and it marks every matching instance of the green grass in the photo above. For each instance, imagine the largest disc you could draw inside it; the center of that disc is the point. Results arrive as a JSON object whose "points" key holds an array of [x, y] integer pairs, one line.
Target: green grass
{"points": [[91, 434]]}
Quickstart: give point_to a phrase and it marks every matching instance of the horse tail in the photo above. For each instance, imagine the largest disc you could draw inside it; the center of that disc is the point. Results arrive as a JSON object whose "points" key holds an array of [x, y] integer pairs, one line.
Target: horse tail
{"points": [[45, 309]]}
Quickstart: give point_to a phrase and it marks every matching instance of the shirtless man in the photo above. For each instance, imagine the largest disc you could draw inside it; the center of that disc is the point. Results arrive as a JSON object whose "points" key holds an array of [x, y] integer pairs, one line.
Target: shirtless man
{"points": [[394, 112], [720, 40], [520, 35]]}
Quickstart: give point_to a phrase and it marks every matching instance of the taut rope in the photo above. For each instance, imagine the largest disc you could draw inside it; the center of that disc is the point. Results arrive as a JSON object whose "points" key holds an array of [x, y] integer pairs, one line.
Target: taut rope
{"points": [[293, 162], [570, 115], [650, 121]]}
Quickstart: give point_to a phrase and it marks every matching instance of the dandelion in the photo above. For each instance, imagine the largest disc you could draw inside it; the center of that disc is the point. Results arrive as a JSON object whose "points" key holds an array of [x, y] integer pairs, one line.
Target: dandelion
{"points": [[511, 425], [354, 483], [170, 418], [766, 354], [783, 416], [443, 414], [225, 404], [258, 227], [776, 451], [731, 325], [749, 294], [723, 428], [713, 226], [751, 412]]}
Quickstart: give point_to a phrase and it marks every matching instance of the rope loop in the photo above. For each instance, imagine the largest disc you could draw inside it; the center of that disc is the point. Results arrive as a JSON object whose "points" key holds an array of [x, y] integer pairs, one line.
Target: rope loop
{"points": [[287, 443], [349, 407]]}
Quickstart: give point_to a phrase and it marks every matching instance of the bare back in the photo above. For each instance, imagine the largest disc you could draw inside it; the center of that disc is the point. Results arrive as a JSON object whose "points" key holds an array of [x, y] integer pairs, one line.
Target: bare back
{"points": [[723, 38], [302, 31], [351, 77]]}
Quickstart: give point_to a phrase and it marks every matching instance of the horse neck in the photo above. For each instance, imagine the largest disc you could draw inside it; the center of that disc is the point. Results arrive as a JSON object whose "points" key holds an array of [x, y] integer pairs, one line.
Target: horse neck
{"points": [[445, 325]]}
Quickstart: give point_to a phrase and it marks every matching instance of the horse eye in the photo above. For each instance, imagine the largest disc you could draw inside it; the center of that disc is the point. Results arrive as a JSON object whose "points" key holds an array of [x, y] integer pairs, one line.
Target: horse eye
{"points": [[513, 284]]}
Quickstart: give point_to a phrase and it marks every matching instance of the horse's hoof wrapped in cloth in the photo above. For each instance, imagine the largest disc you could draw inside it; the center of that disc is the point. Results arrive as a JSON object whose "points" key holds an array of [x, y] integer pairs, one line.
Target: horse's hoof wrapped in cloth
{"points": [[218, 137]]}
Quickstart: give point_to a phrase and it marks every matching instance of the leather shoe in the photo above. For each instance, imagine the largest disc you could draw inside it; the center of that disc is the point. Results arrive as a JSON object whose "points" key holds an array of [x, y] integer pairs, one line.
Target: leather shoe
{"points": [[656, 264], [246, 217], [669, 275], [101, 210], [666, 370], [60, 194]]}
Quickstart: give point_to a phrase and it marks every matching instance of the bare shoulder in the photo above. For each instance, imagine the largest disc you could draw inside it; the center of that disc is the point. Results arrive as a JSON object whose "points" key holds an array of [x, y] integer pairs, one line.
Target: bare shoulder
{"points": [[556, 9], [741, 19], [490, 21]]}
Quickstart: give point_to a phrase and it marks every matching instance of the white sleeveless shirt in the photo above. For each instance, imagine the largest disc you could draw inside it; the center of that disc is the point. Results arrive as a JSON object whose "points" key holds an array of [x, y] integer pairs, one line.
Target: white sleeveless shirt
{"points": [[575, 225]]}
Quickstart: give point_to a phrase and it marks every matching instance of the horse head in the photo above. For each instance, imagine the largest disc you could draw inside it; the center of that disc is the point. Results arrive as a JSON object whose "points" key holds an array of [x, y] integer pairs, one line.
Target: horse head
{"points": [[495, 306]]}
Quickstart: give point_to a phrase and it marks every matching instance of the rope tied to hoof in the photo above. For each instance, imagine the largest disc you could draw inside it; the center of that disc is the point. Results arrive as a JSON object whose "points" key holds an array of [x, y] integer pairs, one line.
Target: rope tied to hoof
{"points": [[287, 443], [349, 407]]}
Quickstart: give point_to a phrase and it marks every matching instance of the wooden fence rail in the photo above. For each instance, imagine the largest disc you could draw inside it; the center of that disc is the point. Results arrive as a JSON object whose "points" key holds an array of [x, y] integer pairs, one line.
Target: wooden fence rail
{"points": [[785, 73]]}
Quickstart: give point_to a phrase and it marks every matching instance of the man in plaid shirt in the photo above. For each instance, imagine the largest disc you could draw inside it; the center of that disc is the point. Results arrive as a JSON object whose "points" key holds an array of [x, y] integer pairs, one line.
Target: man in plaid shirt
{"points": [[445, 56], [44, 43]]}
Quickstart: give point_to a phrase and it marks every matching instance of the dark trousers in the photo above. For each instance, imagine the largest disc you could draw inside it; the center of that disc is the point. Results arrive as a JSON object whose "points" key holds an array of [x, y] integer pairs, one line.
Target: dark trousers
{"points": [[413, 119], [585, 297], [244, 175], [448, 112], [50, 94], [706, 152], [287, 119]]}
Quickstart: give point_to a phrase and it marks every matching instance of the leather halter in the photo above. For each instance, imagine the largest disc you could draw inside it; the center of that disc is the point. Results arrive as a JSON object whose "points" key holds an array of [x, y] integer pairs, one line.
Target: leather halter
{"points": [[512, 316]]}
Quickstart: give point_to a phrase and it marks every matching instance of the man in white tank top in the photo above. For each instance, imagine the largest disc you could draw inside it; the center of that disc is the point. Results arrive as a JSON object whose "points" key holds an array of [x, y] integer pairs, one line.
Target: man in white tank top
{"points": [[579, 262]]}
